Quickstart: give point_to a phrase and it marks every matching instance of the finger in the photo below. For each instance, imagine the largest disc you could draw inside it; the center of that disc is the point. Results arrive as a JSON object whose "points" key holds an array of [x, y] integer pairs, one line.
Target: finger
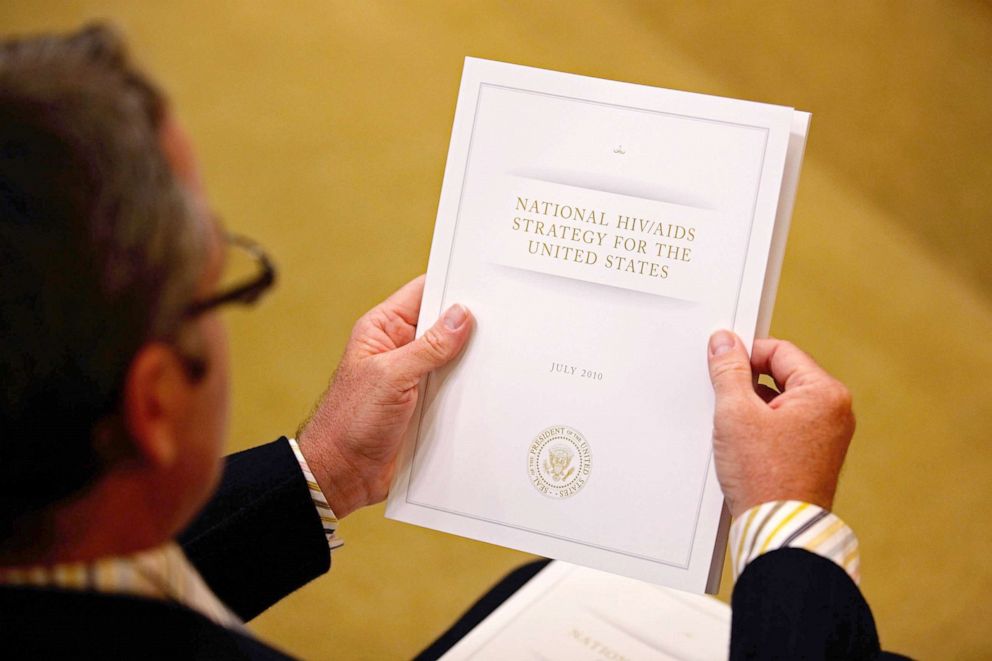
{"points": [[405, 301], [784, 362], [730, 368], [435, 348]]}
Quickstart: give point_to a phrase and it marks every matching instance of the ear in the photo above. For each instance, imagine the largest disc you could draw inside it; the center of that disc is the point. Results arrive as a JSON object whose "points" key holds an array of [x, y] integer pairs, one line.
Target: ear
{"points": [[157, 392]]}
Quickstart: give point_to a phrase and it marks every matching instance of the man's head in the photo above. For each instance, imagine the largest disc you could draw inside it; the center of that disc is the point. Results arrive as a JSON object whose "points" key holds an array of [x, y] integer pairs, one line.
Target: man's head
{"points": [[109, 389]]}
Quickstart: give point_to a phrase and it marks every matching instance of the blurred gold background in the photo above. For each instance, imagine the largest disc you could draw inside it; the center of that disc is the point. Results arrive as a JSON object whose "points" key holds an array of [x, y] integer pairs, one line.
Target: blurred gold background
{"points": [[323, 128]]}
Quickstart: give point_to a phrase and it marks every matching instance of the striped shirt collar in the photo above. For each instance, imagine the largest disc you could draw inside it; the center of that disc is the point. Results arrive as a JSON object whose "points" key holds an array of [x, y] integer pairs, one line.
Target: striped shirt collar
{"points": [[162, 572]]}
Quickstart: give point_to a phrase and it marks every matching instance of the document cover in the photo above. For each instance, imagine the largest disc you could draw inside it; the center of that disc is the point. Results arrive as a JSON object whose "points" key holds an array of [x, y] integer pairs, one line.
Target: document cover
{"points": [[599, 232]]}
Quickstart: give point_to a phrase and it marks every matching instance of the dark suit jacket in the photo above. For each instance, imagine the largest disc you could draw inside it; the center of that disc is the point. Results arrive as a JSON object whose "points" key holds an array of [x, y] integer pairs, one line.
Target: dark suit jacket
{"points": [[260, 538], [793, 604], [257, 540]]}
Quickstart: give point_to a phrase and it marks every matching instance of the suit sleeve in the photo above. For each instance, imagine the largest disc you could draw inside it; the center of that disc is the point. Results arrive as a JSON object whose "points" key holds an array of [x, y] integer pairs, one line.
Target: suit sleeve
{"points": [[792, 604], [259, 538]]}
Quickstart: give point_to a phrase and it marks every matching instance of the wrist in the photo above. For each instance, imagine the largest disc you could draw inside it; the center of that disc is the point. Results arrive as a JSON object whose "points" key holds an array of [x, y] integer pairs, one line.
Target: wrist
{"points": [[341, 483]]}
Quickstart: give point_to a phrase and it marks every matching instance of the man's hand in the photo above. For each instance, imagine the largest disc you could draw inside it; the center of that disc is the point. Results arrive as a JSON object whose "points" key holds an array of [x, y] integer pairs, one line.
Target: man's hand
{"points": [[785, 444], [352, 438]]}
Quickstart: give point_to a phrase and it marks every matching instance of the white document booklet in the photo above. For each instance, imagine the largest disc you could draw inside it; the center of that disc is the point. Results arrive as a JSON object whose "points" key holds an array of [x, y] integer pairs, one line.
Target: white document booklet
{"points": [[599, 232], [567, 612]]}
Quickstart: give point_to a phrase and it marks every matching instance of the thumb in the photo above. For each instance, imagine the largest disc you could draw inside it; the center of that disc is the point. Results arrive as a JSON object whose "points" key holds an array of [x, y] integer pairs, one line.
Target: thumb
{"points": [[730, 366], [435, 348]]}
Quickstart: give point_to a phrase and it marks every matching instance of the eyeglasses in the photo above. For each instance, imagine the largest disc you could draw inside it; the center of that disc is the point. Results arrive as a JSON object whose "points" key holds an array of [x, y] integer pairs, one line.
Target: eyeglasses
{"points": [[246, 290]]}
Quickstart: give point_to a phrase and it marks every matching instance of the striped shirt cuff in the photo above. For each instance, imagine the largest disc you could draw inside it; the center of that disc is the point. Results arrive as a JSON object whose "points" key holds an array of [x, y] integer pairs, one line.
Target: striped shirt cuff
{"points": [[792, 523], [327, 518]]}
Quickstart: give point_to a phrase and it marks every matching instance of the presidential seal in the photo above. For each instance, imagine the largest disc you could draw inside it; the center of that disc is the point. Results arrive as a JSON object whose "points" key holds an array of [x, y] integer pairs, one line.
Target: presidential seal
{"points": [[559, 462]]}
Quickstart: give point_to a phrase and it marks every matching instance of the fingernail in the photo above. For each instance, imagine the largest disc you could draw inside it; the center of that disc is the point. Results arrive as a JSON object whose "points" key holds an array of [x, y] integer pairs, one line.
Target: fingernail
{"points": [[454, 317], [721, 342]]}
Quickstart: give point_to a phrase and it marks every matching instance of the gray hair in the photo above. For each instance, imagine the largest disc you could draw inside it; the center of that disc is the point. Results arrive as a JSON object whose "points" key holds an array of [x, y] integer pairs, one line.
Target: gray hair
{"points": [[100, 252]]}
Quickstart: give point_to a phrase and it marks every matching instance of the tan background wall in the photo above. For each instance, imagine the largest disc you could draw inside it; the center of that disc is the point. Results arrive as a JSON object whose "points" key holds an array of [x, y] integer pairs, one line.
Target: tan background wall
{"points": [[323, 127]]}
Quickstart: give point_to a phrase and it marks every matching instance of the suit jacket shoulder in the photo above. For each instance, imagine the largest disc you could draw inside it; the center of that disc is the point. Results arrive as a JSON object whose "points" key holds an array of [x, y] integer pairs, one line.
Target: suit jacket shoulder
{"points": [[38, 623], [259, 538]]}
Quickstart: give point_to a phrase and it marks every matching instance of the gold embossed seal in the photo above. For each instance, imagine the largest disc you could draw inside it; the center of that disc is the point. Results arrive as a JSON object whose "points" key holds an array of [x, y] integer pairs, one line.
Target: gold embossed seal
{"points": [[559, 462]]}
